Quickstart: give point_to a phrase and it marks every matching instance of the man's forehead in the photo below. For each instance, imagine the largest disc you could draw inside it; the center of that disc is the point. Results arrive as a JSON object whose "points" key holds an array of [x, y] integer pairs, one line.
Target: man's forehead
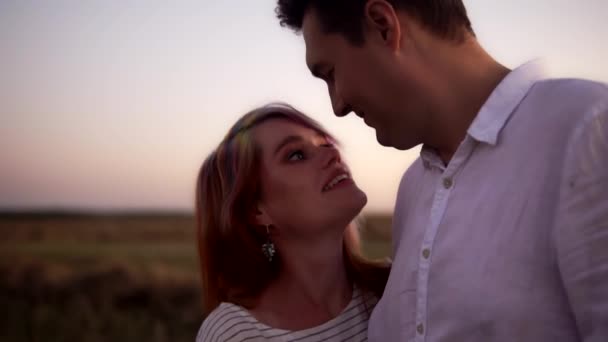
{"points": [[316, 41], [310, 23], [311, 37]]}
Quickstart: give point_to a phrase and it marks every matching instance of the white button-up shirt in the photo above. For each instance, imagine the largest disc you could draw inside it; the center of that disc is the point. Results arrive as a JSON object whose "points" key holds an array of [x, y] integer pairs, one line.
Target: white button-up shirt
{"points": [[509, 241]]}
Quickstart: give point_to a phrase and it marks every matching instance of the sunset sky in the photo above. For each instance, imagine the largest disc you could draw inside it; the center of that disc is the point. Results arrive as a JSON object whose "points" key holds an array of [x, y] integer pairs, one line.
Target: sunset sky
{"points": [[108, 104]]}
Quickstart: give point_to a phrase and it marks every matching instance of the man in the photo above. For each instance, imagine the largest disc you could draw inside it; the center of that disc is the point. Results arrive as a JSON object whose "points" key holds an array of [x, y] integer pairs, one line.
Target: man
{"points": [[501, 226]]}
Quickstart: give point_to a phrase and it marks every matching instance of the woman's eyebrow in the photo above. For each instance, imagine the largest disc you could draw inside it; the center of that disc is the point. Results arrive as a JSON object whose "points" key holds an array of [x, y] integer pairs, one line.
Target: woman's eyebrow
{"points": [[287, 140]]}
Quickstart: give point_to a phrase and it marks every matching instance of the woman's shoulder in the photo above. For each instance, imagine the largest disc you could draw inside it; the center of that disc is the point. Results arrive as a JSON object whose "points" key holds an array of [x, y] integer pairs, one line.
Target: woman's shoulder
{"points": [[365, 301], [368, 298], [228, 323]]}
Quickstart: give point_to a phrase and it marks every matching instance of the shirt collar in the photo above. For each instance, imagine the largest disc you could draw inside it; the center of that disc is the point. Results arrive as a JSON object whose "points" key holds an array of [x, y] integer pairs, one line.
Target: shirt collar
{"points": [[504, 99], [497, 109]]}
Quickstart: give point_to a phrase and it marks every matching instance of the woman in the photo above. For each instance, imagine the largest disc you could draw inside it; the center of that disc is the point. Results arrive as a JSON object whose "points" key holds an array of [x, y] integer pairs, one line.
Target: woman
{"points": [[279, 256]]}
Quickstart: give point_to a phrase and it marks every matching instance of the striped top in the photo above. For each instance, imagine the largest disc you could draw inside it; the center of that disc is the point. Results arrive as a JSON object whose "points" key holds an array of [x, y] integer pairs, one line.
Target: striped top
{"points": [[232, 323]]}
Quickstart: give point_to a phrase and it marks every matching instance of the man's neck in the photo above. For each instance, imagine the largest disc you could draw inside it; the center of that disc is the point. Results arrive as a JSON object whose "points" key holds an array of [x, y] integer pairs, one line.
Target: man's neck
{"points": [[470, 76]]}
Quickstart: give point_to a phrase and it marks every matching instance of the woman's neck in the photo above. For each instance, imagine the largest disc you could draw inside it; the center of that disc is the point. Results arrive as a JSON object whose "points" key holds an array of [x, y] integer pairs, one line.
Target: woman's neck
{"points": [[313, 287]]}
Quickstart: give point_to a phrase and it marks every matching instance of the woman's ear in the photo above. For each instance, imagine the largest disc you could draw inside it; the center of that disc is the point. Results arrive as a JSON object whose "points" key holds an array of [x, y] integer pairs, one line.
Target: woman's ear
{"points": [[383, 23], [261, 217]]}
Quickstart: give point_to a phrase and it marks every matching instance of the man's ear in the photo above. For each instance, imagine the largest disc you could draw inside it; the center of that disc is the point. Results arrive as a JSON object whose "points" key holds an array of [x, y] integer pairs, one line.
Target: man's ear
{"points": [[383, 23]]}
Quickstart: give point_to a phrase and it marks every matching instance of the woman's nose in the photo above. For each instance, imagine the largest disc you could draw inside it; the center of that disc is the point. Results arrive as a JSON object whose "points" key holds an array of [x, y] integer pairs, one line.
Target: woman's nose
{"points": [[331, 156]]}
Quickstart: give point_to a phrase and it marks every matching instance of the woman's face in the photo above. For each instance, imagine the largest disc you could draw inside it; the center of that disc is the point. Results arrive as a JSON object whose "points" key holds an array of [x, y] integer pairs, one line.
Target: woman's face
{"points": [[306, 187]]}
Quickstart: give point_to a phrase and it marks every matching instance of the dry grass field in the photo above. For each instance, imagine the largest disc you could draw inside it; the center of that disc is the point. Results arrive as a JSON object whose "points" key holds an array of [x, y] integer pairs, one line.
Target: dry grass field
{"points": [[69, 277]]}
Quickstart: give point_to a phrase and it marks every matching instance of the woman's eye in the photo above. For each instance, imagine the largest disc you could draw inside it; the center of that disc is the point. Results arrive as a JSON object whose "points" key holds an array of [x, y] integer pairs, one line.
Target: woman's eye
{"points": [[296, 155]]}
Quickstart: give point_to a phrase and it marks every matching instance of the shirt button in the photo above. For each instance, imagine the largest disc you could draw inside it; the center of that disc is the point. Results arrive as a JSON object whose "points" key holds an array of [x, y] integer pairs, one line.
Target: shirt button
{"points": [[426, 253], [420, 329], [447, 183]]}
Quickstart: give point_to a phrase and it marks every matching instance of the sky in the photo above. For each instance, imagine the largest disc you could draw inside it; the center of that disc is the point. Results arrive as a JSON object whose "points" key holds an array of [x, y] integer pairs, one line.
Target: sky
{"points": [[113, 105]]}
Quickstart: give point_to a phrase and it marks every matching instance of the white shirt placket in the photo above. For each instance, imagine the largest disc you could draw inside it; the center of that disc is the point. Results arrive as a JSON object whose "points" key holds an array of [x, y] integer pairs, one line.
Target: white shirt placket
{"points": [[440, 201]]}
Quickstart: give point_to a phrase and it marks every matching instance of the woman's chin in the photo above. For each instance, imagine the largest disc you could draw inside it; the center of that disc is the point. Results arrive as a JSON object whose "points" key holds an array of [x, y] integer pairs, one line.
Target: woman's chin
{"points": [[362, 198], [351, 207], [338, 211]]}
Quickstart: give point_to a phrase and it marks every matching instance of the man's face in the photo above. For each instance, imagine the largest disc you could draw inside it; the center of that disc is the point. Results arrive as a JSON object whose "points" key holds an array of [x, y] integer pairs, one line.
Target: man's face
{"points": [[366, 79]]}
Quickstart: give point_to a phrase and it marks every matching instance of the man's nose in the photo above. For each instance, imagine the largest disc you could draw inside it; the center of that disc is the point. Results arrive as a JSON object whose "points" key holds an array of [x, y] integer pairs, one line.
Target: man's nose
{"points": [[340, 107]]}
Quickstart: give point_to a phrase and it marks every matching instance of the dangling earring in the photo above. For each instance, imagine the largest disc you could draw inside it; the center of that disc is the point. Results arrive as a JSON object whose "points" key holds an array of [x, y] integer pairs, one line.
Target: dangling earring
{"points": [[268, 248]]}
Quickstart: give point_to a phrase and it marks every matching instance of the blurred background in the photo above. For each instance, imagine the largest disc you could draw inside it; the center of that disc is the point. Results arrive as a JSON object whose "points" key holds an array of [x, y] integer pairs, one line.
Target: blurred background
{"points": [[107, 110]]}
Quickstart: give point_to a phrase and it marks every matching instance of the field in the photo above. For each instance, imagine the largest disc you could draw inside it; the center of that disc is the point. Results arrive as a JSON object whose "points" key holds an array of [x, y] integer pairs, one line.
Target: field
{"points": [[69, 277]]}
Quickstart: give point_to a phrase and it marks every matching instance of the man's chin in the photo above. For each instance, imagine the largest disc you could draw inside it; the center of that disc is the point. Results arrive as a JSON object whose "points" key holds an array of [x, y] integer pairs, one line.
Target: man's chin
{"points": [[385, 141]]}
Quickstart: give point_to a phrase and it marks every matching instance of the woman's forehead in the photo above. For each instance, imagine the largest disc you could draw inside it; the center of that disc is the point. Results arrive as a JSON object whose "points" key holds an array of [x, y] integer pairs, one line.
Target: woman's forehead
{"points": [[277, 129]]}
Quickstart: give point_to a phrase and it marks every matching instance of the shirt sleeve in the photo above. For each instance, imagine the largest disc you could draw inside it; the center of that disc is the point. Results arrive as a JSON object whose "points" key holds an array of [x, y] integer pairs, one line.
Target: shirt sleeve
{"points": [[225, 324], [206, 332], [581, 225]]}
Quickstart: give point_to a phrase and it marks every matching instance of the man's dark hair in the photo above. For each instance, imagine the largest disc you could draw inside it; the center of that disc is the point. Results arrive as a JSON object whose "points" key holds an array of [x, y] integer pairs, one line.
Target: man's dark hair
{"points": [[445, 18]]}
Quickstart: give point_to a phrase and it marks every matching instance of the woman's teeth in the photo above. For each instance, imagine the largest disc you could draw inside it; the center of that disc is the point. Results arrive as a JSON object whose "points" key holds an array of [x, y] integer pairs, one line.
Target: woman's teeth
{"points": [[335, 181]]}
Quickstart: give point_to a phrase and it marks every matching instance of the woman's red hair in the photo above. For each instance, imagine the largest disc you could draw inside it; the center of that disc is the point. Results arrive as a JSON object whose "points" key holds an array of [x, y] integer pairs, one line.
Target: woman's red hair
{"points": [[233, 267]]}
